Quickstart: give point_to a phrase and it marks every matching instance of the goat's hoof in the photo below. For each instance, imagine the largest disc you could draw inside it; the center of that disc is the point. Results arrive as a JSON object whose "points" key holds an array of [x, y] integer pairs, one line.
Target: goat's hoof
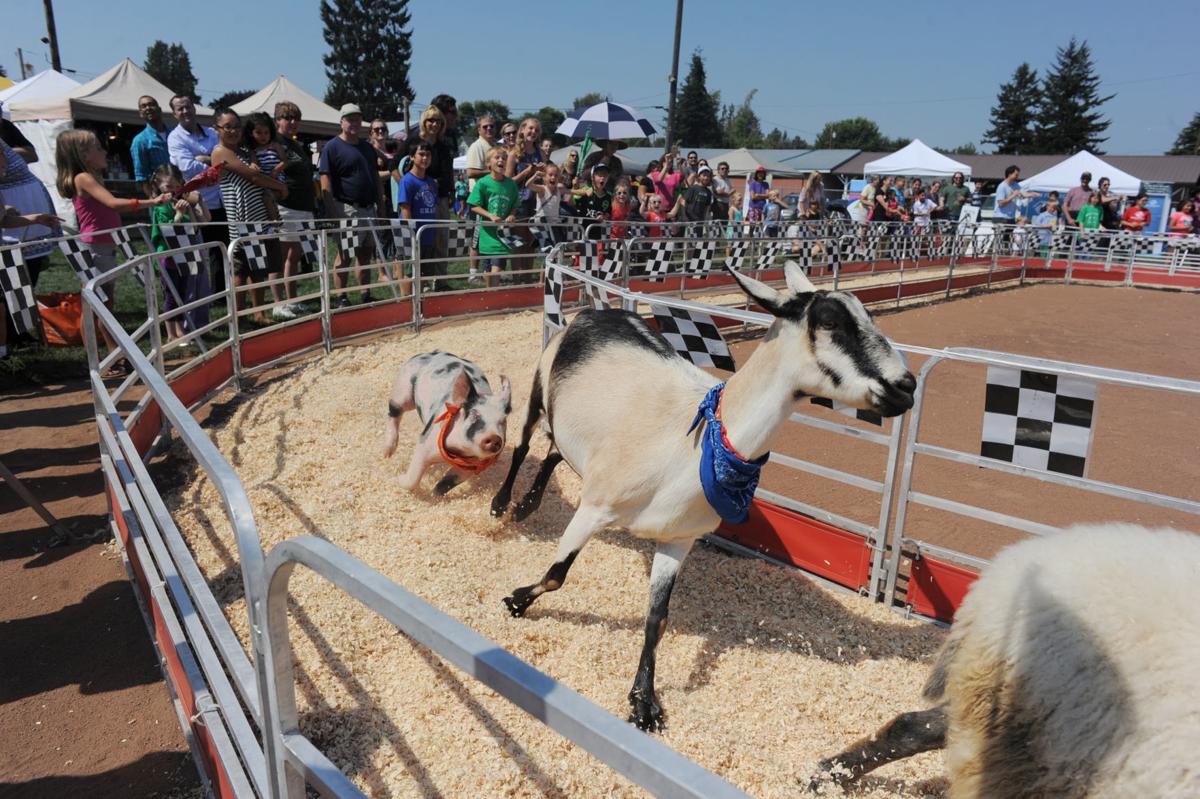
{"points": [[525, 509], [830, 771], [646, 714], [500, 504], [517, 604], [445, 484]]}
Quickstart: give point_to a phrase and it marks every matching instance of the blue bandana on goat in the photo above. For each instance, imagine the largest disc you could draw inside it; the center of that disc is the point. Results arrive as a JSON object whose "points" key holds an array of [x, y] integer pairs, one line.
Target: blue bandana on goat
{"points": [[728, 479]]}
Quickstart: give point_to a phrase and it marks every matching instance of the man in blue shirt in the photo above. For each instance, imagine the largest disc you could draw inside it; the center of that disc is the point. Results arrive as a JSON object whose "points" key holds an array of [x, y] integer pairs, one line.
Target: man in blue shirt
{"points": [[190, 147], [350, 189], [149, 148], [1007, 195]]}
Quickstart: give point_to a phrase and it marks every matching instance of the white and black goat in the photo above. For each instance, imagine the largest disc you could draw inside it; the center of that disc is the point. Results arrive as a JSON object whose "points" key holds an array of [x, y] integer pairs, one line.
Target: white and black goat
{"points": [[619, 401]]}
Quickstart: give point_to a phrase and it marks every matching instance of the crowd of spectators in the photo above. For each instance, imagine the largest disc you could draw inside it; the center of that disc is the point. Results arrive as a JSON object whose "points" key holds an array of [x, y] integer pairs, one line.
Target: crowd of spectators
{"points": [[269, 178]]}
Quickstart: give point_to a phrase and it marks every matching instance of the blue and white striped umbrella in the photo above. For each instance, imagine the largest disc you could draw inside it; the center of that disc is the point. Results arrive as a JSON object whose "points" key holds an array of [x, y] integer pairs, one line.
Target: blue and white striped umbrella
{"points": [[606, 121]]}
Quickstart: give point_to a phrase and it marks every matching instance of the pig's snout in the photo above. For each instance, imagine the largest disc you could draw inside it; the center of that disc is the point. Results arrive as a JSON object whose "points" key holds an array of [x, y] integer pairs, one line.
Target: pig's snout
{"points": [[491, 443]]}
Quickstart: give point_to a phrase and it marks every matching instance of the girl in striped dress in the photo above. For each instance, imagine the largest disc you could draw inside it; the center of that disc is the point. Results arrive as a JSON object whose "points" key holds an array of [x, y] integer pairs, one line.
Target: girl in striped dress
{"points": [[244, 196], [269, 155]]}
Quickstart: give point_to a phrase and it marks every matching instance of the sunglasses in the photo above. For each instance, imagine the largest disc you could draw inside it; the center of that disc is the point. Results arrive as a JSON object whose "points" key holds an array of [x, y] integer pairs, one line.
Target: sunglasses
{"points": [[288, 118], [379, 130], [507, 132], [487, 127]]}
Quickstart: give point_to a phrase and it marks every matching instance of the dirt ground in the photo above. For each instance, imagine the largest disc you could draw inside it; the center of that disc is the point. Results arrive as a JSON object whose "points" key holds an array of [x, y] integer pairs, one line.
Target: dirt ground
{"points": [[84, 710]]}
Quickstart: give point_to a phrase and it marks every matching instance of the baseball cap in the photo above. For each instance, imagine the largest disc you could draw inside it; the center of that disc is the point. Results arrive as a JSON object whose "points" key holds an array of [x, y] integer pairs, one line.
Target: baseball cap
{"points": [[762, 169], [599, 166], [350, 108], [704, 168]]}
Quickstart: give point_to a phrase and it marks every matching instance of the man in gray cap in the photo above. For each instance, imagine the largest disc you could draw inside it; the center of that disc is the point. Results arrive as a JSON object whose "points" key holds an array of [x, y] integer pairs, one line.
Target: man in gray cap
{"points": [[350, 189]]}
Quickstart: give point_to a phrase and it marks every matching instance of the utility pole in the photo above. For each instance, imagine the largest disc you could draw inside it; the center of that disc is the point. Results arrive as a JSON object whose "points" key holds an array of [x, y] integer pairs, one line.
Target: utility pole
{"points": [[674, 79], [52, 35], [21, 63], [404, 101]]}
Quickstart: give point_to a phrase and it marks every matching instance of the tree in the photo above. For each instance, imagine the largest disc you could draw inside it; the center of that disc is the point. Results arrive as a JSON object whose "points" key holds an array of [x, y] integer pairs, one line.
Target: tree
{"points": [[1188, 140], [1069, 115], [696, 123], [171, 66], [230, 99], [740, 126], [779, 140], [471, 111], [369, 53], [551, 118], [964, 149], [591, 98], [1014, 119], [856, 133]]}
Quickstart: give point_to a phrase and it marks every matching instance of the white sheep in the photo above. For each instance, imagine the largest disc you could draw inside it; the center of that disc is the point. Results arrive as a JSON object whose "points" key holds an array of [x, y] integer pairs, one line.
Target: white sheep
{"points": [[619, 404], [1072, 669]]}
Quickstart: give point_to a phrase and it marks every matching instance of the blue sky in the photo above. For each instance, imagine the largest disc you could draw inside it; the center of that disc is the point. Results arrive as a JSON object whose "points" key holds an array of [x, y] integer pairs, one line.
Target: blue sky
{"points": [[929, 70]]}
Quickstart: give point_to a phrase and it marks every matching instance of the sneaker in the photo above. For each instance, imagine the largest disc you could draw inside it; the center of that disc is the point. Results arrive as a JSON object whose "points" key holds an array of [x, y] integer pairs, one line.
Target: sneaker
{"points": [[299, 308], [475, 278], [342, 302], [366, 297], [283, 312]]}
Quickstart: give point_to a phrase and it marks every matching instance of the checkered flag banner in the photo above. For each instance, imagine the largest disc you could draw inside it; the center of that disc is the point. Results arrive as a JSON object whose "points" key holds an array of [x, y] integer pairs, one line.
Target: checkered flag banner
{"points": [[458, 242], [18, 292], [737, 254], [552, 286], [603, 263], [846, 410], [1038, 420], [310, 240], [772, 249], [701, 263], [80, 258], [659, 265], [695, 336], [349, 238], [177, 236], [255, 250], [405, 238], [124, 243]]}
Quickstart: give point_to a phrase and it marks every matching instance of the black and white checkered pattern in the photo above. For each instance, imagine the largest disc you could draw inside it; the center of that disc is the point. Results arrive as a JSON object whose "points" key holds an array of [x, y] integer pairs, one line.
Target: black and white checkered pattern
{"points": [[255, 250], [1038, 420], [737, 253], [80, 258], [310, 241], [854, 413], [184, 235], [771, 250], [702, 260], [458, 242], [659, 264], [552, 286], [124, 243], [18, 292], [349, 237], [695, 336]]}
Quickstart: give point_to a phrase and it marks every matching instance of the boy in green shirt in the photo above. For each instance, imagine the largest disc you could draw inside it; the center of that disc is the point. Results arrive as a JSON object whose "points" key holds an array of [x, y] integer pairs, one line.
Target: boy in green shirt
{"points": [[495, 198], [1090, 214]]}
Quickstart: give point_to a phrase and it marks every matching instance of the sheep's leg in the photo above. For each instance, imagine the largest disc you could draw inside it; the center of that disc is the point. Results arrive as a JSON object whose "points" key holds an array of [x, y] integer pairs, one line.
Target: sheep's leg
{"points": [[904, 736], [645, 711], [533, 498], [586, 521], [532, 413]]}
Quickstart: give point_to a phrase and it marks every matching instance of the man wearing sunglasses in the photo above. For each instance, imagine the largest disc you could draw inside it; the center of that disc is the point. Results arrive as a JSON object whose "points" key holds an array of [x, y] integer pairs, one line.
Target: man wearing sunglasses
{"points": [[298, 206]]}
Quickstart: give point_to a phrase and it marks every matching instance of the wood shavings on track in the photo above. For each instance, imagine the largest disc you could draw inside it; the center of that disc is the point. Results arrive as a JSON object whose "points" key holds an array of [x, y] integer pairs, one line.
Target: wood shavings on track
{"points": [[761, 672]]}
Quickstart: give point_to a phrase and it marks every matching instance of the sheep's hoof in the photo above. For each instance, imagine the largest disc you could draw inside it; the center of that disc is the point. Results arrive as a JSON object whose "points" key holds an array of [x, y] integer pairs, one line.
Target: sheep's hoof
{"points": [[519, 602], [500, 503], [646, 714]]}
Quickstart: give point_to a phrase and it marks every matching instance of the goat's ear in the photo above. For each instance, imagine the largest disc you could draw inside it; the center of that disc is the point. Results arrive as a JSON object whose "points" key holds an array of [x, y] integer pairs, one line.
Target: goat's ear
{"points": [[797, 281], [758, 291], [460, 389]]}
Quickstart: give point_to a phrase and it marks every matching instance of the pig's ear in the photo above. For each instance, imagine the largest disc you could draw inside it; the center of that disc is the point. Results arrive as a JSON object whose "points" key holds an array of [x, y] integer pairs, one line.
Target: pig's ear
{"points": [[505, 390], [460, 389]]}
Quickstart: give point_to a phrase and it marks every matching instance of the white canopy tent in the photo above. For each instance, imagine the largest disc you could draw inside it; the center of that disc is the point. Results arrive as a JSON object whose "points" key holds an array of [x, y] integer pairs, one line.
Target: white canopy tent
{"points": [[112, 97], [743, 162], [916, 159], [1064, 176], [46, 84], [315, 116]]}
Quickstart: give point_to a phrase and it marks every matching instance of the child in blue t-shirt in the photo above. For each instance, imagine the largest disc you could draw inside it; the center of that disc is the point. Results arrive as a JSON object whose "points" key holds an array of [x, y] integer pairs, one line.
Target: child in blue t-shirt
{"points": [[417, 200]]}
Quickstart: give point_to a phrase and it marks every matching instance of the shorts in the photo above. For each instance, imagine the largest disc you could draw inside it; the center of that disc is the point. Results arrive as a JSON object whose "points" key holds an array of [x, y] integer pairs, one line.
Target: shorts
{"points": [[291, 222], [344, 210]]}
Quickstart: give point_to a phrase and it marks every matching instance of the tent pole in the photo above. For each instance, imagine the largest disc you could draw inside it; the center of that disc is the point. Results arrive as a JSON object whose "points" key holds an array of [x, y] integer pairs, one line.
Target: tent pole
{"points": [[52, 35]]}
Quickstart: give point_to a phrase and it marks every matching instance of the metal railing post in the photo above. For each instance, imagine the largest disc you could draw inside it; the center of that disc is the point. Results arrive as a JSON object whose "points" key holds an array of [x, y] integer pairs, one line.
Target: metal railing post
{"points": [[417, 288], [235, 340], [323, 281], [1071, 257]]}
